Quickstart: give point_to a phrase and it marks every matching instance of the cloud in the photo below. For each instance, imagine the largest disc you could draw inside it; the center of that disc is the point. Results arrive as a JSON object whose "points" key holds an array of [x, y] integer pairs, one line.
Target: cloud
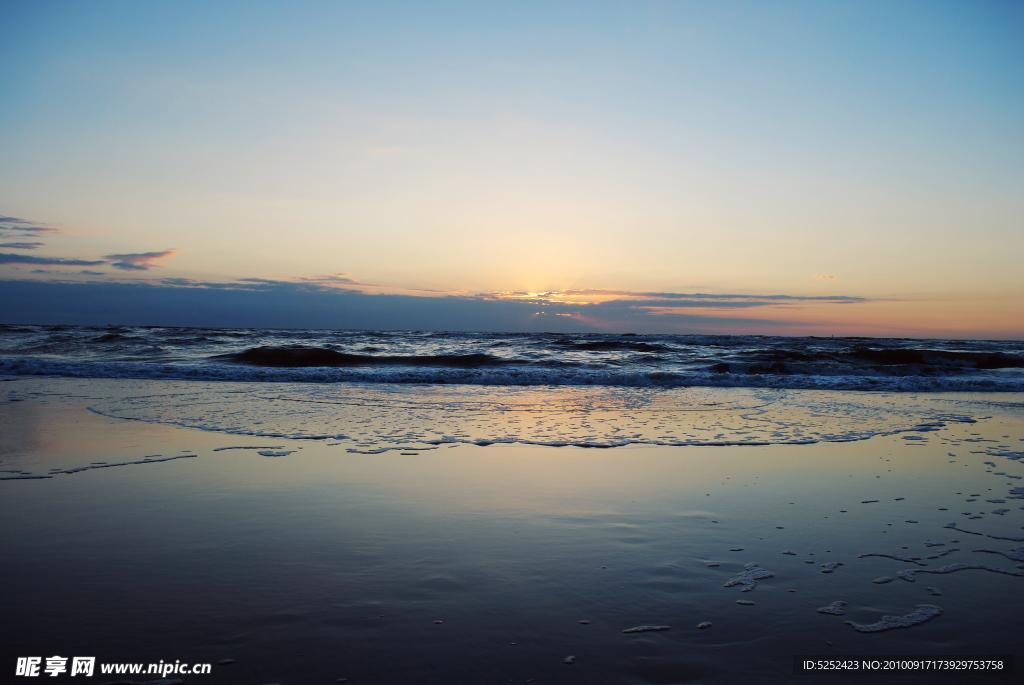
{"points": [[333, 279], [15, 220], [260, 303], [22, 246], [141, 261], [599, 296], [249, 284], [824, 277], [569, 303], [54, 272], [13, 226], [296, 304], [8, 258], [339, 300], [345, 281]]}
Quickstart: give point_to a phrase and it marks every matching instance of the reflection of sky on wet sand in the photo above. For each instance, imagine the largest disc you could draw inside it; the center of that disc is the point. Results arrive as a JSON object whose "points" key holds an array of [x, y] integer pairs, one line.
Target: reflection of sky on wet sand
{"points": [[42, 435], [236, 555]]}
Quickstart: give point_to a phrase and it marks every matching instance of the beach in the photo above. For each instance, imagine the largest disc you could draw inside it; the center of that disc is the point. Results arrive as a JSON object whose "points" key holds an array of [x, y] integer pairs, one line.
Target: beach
{"points": [[403, 343], [483, 556]]}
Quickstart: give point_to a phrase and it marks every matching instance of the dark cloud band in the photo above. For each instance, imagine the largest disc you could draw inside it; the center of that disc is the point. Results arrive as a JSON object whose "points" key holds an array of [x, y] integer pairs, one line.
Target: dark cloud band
{"points": [[8, 258], [12, 226], [282, 304], [22, 246], [139, 261]]}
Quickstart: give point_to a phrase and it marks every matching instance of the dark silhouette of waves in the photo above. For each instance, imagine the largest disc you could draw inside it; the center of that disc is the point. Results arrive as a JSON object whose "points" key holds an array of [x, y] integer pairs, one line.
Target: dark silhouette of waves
{"points": [[514, 359], [937, 358], [297, 357]]}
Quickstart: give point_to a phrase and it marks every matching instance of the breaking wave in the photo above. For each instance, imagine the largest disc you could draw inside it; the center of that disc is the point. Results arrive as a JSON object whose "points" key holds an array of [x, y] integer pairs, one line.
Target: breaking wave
{"points": [[526, 359]]}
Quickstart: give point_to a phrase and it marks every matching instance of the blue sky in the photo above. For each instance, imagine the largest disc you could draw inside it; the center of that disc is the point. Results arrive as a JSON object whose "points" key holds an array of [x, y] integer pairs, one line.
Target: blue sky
{"points": [[458, 152]]}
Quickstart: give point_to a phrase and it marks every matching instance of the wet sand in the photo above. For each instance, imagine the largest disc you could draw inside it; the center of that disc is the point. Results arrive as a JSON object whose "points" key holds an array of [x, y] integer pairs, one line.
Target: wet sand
{"points": [[426, 566]]}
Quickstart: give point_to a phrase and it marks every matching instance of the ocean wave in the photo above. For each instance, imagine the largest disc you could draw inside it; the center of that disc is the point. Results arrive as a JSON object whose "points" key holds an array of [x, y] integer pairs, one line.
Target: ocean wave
{"points": [[892, 362], [513, 359], [514, 375], [298, 356], [608, 346], [938, 358]]}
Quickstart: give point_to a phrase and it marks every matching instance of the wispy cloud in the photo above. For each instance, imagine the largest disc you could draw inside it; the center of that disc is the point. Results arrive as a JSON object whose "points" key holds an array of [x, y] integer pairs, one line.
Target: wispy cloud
{"points": [[824, 277], [333, 279], [13, 226], [141, 261], [22, 246], [348, 282], [242, 284], [16, 220], [8, 258], [57, 272], [599, 296]]}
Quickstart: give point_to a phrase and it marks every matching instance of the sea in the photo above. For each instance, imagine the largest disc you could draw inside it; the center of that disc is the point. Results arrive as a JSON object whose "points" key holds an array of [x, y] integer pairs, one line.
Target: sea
{"points": [[513, 359], [376, 391], [307, 506]]}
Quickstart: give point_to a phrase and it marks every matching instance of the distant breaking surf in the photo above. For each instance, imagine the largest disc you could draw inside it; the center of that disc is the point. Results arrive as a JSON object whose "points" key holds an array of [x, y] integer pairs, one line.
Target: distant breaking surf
{"points": [[520, 359]]}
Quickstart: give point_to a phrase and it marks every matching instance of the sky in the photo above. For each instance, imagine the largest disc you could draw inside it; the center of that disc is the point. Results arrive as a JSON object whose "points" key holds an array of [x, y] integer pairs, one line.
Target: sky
{"points": [[791, 168]]}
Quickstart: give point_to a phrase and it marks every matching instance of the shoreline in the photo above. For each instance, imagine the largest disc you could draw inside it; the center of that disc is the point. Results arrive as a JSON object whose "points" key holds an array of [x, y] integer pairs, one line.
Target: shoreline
{"points": [[232, 554]]}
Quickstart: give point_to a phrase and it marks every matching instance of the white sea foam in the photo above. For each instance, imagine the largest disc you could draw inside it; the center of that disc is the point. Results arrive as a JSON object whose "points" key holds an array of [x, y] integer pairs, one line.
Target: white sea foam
{"points": [[835, 608], [1016, 554], [380, 417], [748, 577], [925, 612], [646, 629], [953, 568], [896, 557]]}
